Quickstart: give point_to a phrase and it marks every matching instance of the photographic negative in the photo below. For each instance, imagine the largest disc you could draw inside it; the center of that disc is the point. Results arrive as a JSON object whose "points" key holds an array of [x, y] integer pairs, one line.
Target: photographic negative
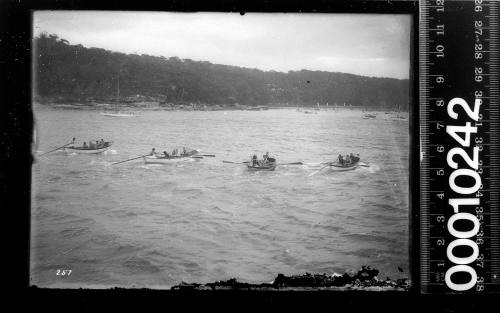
{"points": [[178, 148]]}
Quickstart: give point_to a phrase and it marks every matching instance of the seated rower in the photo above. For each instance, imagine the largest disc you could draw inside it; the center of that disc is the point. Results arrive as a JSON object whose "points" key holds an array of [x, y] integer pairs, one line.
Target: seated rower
{"points": [[341, 160], [254, 160], [354, 158], [153, 152], [265, 157], [165, 153], [184, 151], [85, 145], [347, 159]]}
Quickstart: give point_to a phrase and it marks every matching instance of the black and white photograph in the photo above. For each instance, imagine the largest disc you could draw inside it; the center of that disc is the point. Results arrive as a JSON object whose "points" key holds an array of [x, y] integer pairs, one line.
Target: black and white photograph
{"points": [[207, 150]]}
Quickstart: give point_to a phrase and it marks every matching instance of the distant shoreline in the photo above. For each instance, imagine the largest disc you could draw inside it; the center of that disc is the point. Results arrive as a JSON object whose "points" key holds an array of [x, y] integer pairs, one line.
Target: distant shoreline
{"points": [[151, 106]]}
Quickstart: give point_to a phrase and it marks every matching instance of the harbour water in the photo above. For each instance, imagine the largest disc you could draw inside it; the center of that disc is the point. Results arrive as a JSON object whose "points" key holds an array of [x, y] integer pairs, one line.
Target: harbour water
{"points": [[201, 220]]}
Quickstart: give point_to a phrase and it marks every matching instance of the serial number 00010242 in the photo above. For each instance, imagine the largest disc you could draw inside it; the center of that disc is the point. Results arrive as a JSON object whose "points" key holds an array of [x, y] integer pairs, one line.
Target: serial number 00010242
{"points": [[459, 120]]}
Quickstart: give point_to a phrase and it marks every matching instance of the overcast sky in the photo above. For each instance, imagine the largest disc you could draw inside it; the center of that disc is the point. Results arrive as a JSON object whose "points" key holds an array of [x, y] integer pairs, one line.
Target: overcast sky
{"points": [[370, 45]]}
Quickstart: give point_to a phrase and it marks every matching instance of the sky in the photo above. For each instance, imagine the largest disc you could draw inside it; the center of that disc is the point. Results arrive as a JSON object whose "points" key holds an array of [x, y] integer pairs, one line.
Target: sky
{"points": [[364, 44]]}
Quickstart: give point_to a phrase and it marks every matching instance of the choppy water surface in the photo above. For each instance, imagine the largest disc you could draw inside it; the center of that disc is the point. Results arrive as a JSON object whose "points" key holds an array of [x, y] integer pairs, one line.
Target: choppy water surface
{"points": [[203, 220]]}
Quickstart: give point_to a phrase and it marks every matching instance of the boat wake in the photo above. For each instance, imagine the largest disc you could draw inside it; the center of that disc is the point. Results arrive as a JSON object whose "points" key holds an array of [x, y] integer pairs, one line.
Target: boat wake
{"points": [[110, 152], [100, 162], [372, 168]]}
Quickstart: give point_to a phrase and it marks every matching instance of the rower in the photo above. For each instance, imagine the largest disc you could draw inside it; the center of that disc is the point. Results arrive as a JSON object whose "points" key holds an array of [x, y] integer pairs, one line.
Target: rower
{"points": [[341, 160], [166, 153], [254, 160], [184, 151], [354, 158], [265, 156], [153, 152], [91, 145], [347, 159], [85, 145]]}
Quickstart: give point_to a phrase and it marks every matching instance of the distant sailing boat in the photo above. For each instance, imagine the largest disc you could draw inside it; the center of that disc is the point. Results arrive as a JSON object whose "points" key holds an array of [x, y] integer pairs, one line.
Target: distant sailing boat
{"points": [[117, 113]]}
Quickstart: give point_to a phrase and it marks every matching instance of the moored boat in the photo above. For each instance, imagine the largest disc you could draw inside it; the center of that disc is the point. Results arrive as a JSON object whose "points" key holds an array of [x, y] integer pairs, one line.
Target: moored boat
{"points": [[115, 112], [367, 116], [118, 114], [87, 150]]}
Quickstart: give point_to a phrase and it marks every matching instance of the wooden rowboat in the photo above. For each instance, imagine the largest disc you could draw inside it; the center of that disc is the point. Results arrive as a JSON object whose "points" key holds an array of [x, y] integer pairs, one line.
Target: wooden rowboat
{"points": [[158, 159], [270, 165], [344, 167], [87, 150], [118, 114], [266, 167]]}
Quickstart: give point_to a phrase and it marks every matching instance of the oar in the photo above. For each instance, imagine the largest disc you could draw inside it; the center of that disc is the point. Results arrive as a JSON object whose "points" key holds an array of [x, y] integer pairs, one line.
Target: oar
{"points": [[293, 163], [207, 155], [130, 159], [320, 169], [197, 157], [235, 162], [56, 149]]}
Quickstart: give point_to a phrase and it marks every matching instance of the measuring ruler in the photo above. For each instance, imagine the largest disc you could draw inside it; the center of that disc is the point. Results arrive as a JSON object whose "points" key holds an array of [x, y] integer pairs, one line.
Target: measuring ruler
{"points": [[459, 167]]}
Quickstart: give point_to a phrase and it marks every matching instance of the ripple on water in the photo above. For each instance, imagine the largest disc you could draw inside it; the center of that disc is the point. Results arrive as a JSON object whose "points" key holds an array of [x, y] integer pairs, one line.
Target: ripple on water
{"points": [[363, 237], [73, 232], [121, 213], [365, 253], [74, 172], [188, 193], [138, 264], [54, 178], [166, 184], [45, 197]]}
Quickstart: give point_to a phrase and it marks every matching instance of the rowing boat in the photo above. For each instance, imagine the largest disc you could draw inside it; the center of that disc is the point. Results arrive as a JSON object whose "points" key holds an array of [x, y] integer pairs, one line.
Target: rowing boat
{"points": [[265, 167], [158, 159], [270, 165], [344, 167], [87, 150]]}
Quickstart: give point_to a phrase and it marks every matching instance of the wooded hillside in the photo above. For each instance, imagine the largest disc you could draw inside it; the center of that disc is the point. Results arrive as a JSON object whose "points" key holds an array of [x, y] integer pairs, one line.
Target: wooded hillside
{"points": [[74, 73]]}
